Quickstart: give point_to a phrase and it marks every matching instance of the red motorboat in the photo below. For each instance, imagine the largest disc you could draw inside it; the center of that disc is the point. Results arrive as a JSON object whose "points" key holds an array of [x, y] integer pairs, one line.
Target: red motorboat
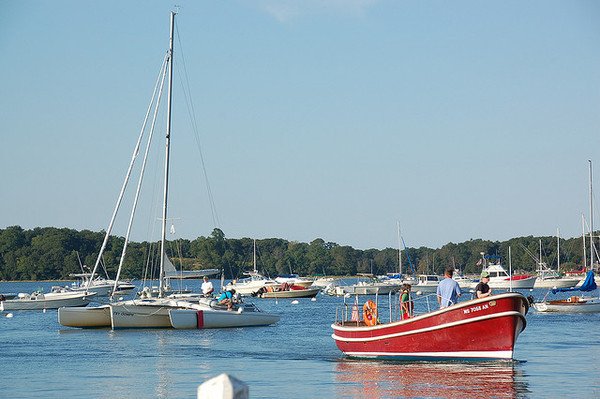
{"points": [[485, 328]]}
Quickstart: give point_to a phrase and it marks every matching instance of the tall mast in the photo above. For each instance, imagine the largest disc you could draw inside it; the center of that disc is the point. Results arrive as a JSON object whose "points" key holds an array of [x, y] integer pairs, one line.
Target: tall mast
{"points": [[557, 250], [541, 254], [583, 238], [591, 221], [399, 252], [254, 257], [161, 286]]}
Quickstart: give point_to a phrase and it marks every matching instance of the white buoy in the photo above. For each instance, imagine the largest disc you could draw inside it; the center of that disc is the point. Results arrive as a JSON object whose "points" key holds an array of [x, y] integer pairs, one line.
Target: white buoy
{"points": [[419, 293], [313, 299], [44, 310], [347, 295], [295, 302], [223, 386], [9, 315]]}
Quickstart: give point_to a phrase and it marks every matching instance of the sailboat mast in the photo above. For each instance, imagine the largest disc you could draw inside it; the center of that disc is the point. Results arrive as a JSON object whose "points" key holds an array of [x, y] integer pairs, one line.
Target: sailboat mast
{"points": [[254, 257], [161, 286], [591, 220], [557, 250], [583, 238], [399, 252]]}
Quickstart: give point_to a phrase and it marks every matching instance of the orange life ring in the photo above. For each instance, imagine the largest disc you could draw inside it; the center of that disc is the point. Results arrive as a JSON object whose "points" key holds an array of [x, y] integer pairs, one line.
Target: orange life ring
{"points": [[370, 313]]}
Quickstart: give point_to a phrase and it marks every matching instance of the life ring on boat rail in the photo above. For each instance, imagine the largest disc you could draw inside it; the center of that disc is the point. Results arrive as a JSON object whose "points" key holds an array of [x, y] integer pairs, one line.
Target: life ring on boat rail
{"points": [[370, 313]]}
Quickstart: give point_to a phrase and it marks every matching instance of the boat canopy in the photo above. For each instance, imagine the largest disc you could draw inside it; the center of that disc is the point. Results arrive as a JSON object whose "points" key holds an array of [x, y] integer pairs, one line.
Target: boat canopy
{"points": [[588, 285]]}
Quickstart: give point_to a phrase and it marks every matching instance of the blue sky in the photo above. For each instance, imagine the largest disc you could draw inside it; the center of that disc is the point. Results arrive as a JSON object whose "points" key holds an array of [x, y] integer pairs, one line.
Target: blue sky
{"points": [[317, 119]]}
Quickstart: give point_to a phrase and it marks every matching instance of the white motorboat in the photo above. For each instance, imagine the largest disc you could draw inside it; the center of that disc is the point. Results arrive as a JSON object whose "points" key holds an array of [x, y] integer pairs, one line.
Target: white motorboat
{"points": [[499, 278], [207, 314], [294, 279], [367, 284], [250, 285], [427, 283], [52, 300], [99, 285]]}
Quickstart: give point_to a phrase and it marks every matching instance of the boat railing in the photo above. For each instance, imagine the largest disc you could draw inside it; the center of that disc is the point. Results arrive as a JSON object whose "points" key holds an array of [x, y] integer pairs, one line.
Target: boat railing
{"points": [[351, 313]]}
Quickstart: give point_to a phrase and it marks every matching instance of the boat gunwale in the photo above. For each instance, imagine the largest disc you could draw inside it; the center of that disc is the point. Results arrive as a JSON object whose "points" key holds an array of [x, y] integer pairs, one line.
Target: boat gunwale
{"points": [[424, 316]]}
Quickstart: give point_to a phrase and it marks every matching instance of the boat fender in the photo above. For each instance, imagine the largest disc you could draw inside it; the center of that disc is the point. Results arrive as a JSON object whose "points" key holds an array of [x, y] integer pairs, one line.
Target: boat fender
{"points": [[370, 313]]}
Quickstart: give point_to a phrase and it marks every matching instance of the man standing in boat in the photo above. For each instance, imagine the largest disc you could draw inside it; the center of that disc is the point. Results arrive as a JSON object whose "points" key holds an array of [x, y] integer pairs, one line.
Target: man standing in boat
{"points": [[448, 289], [483, 289]]}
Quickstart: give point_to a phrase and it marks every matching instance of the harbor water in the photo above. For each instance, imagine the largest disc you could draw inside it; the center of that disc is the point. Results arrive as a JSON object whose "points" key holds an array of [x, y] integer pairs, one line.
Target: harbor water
{"points": [[556, 356]]}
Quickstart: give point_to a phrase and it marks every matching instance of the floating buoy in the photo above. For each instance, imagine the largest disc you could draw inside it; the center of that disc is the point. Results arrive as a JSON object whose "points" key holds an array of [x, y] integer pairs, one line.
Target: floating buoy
{"points": [[9, 315], [419, 293], [295, 302], [313, 299], [44, 310], [347, 295]]}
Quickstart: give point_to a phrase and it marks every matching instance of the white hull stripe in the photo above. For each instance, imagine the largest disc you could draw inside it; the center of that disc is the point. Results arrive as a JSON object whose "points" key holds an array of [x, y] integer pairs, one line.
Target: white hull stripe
{"points": [[428, 329], [469, 354]]}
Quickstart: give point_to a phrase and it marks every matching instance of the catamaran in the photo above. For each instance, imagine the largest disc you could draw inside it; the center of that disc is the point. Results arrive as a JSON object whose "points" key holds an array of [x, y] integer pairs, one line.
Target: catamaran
{"points": [[155, 312]]}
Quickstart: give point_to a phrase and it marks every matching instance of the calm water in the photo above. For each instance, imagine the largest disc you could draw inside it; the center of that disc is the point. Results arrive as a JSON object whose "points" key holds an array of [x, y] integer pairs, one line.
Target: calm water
{"points": [[556, 356]]}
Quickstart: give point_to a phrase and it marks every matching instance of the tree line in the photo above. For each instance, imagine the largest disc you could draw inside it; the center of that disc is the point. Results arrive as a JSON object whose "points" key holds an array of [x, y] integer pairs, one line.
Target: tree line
{"points": [[48, 253]]}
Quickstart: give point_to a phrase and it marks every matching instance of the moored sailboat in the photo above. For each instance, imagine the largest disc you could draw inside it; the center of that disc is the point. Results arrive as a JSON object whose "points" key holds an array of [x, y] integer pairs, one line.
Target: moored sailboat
{"points": [[575, 303]]}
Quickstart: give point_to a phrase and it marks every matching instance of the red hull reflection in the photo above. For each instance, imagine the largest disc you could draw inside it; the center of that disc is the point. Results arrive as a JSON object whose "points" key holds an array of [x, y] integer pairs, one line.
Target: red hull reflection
{"points": [[371, 379]]}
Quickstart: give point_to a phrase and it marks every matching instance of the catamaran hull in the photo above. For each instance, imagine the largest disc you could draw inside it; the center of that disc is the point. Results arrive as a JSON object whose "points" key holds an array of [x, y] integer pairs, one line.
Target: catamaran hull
{"points": [[479, 329], [89, 317], [201, 319], [49, 301], [139, 316]]}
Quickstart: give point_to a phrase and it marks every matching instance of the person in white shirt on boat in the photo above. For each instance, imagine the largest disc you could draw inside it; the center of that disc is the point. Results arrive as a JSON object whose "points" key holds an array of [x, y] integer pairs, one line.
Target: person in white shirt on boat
{"points": [[448, 289], [207, 287]]}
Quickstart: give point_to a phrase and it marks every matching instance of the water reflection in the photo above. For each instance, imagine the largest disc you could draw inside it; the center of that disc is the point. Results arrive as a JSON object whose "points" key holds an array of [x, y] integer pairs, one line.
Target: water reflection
{"points": [[375, 379]]}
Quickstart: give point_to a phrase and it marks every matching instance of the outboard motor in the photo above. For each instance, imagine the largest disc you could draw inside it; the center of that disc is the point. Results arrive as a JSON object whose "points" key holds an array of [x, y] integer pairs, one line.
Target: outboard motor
{"points": [[530, 299]]}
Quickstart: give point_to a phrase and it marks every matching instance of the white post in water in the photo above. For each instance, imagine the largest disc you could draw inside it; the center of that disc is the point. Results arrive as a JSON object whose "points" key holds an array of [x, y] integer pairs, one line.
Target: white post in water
{"points": [[223, 386]]}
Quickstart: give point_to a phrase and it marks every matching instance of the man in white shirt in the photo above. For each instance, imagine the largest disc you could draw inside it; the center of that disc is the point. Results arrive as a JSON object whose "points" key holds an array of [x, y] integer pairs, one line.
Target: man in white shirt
{"points": [[207, 287]]}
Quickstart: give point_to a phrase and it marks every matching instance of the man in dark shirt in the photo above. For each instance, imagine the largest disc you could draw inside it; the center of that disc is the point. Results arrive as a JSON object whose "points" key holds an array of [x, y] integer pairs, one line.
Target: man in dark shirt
{"points": [[483, 289]]}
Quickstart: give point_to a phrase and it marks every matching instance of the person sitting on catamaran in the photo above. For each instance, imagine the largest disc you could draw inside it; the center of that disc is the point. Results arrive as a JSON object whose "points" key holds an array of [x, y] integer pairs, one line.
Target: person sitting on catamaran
{"points": [[207, 287], [226, 298]]}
